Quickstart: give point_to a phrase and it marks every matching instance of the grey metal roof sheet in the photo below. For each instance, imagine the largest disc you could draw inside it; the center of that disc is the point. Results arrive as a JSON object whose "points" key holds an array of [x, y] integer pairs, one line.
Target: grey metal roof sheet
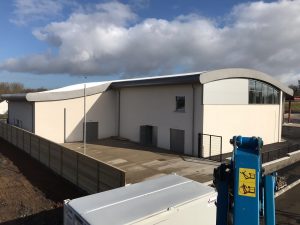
{"points": [[59, 95], [14, 97], [133, 202], [162, 80]]}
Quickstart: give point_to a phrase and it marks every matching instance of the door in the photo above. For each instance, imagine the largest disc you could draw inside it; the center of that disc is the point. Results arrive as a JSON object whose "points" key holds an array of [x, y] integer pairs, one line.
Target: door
{"points": [[148, 135], [177, 140], [91, 131]]}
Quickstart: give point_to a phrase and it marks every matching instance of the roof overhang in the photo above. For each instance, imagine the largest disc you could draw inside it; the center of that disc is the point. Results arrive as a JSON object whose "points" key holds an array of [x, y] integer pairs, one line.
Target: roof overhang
{"points": [[57, 95], [243, 73], [14, 97], [187, 78]]}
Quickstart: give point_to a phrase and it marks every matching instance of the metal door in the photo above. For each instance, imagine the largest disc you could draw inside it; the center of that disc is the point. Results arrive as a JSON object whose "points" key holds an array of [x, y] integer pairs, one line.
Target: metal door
{"points": [[177, 140], [148, 135], [91, 131]]}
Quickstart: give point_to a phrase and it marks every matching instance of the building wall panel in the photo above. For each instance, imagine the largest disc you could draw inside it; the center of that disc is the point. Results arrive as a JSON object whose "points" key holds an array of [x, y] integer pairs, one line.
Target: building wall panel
{"points": [[44, 152], [226, 92], [61, 121], [245, 120], [156, 106], [55, 158], [22, 111]]}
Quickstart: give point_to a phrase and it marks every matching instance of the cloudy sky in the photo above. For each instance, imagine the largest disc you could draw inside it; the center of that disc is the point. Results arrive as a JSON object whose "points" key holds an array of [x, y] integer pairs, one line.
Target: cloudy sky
{"points": [[52, 43]]}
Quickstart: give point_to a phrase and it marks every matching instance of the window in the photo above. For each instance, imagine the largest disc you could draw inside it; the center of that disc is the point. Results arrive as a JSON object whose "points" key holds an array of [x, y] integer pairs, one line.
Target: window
{"points": [[258, 92], [252, 91], [180, 103], [262, 93], [265, 94]]}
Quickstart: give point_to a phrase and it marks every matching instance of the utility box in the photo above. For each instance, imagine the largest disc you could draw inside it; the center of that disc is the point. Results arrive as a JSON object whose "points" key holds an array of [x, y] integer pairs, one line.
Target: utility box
{"points": [[168, 200]]}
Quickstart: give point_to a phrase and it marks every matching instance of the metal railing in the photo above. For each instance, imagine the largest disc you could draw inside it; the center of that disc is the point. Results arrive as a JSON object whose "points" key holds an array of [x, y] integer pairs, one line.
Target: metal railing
{"points": [[212, 143]]}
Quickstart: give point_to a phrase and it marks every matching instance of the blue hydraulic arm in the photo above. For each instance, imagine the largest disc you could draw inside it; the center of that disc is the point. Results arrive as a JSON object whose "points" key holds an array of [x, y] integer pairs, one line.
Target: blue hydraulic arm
{"points": [[244, 193], [269, 187]]}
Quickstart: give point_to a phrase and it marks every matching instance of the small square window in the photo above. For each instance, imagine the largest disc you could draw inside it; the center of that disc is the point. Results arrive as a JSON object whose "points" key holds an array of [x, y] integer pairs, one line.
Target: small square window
{"points": [[180, 103]]}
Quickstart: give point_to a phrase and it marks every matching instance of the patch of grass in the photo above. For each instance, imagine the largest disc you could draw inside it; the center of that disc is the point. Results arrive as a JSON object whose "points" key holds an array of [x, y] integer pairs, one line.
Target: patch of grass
{"points": [[295, 107]]}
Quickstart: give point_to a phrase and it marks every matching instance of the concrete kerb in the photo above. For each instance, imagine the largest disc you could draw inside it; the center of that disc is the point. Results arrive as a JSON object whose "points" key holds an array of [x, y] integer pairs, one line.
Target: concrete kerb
{"points": [[278, 164], [293, 153]]}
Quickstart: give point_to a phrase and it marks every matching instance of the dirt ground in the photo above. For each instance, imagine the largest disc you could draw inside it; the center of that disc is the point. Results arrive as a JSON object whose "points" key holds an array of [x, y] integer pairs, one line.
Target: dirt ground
{"points": [[29, 192]]}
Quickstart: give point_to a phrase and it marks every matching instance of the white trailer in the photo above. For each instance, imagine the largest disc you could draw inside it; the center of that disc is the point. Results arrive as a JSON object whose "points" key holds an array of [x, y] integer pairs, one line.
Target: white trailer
{"points": [[168, 200]]}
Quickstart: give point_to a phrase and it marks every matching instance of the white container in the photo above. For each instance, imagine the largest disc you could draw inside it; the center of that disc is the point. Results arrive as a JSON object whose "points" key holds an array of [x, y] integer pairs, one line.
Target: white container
{"points": [[167, 200]]}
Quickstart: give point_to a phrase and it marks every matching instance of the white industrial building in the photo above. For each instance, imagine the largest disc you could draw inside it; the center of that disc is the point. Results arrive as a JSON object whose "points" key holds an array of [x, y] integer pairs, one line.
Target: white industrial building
{"points": [[195, 114]]}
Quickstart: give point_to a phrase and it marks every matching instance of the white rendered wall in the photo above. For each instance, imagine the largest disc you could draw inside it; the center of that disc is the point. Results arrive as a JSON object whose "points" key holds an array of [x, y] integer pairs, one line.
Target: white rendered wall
{"points": [[226, 113], [22, 111], [3, 107], [50, 123], [245, 120], [156, 106], [224, 92]]}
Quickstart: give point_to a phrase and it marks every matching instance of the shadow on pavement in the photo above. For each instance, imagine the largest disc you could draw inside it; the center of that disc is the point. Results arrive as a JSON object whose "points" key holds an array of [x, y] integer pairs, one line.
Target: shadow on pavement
{"points": [[47, 217]]}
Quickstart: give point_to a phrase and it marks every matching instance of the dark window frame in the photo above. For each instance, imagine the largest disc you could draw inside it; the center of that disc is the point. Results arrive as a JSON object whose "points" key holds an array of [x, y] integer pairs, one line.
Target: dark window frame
{"points": [[180, 103], [262, 93]]}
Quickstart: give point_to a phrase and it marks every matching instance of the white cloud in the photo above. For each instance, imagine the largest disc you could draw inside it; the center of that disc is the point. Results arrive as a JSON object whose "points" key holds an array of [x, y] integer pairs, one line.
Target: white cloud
{"points": [[109, 40]]}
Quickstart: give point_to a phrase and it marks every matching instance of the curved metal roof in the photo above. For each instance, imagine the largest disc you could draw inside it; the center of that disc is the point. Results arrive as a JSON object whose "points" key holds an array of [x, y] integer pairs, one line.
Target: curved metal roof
{"points": [[76, 91], [243, 73], [58, 94]]}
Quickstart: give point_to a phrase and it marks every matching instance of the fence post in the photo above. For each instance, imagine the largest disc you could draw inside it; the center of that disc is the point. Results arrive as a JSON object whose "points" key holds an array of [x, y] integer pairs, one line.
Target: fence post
{"points": [[39, 148], [209, 146], [49, 147], [200, 144], [98, 177], [221, 157], [77, 170], [61, 161], [17, 138], [23, 132]]}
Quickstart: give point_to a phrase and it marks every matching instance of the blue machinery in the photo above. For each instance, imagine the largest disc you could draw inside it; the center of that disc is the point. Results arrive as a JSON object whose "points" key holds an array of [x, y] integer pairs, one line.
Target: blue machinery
{"points": [[245, 195]]}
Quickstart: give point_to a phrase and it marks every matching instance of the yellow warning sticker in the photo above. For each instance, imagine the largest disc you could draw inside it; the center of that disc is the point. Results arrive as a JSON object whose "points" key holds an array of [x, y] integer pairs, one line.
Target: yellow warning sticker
{"points": [[247, 181]]}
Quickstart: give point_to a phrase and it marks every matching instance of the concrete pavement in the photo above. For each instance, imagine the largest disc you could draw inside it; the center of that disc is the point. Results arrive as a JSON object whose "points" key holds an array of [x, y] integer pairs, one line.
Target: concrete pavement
{"points": [[141, 163]]}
